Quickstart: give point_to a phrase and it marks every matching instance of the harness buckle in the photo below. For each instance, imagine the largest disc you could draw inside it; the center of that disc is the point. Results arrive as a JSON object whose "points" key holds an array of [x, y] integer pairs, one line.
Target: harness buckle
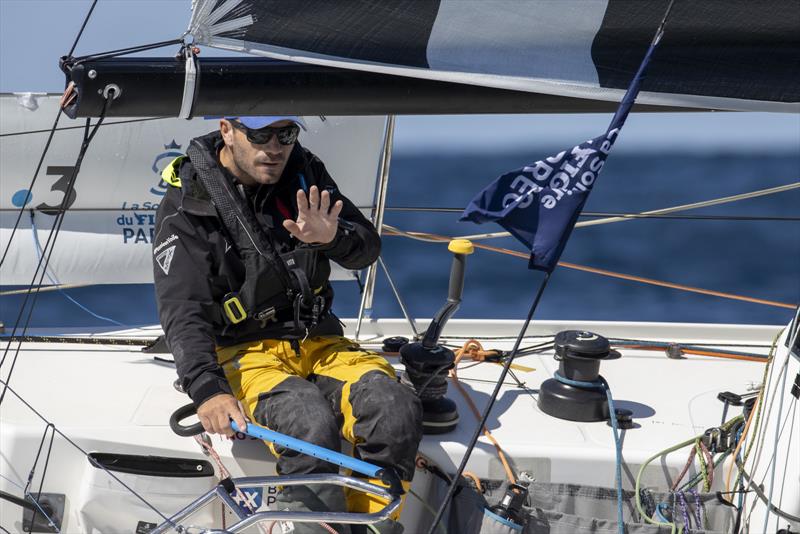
{"points": [[233, 308], [265, 316]]}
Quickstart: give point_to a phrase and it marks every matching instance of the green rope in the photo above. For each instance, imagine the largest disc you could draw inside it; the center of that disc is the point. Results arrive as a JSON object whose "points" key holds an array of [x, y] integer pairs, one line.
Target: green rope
{"points": [[716, 462], [761, 402], [703, 465], [675, 529]]}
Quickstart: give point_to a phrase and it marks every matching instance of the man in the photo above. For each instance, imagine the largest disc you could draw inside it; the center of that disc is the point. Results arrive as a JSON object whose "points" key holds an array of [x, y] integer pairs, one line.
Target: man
{"points": [[241, 254]]}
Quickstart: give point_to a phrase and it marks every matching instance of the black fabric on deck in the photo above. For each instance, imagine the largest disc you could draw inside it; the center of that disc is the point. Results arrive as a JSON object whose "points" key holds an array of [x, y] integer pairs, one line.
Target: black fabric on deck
{"points": [[733, 48], [385, 31]]}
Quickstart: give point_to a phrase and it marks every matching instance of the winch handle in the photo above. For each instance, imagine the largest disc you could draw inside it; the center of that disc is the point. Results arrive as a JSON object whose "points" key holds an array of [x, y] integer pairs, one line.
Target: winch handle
{"points": [[179, 415], [461, 248]]}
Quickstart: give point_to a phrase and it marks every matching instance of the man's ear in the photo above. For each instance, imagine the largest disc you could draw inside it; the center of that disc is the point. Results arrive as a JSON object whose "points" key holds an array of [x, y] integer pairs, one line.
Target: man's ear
{"points": [[226, 130]]}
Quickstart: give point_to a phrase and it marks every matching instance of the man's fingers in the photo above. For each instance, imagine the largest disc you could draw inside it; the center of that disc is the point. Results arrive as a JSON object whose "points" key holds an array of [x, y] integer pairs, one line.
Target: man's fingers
{"points": [[223, 424], [239, 419], [292, 227], [337, 209], [207, 426], [313, 197], [325, 202], [302, 201]]}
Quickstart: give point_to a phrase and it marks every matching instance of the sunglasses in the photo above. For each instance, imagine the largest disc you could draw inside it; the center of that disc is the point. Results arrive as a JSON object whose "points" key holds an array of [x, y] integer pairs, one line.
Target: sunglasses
{"points": [[286, 135]]}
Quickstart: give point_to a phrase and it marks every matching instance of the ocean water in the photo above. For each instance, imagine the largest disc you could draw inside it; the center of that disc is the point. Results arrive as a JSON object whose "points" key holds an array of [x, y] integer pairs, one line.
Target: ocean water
{"points": [[746, 257]]}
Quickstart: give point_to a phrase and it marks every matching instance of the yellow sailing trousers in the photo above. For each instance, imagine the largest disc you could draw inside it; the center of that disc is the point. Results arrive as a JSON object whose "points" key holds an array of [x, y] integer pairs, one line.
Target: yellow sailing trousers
{"points": [[328, 389]]}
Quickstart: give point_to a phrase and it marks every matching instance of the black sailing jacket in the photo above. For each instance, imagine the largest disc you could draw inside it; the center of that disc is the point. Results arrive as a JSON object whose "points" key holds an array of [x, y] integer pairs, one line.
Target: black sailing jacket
{"points": [[195, 263]]}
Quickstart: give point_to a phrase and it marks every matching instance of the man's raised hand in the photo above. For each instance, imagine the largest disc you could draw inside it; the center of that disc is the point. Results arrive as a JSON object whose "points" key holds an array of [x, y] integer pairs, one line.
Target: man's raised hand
{"points": [[316, 220]]}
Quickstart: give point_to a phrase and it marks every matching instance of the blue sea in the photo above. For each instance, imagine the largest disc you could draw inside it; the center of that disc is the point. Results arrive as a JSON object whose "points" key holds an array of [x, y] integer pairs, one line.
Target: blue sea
{"points": [[752, 258]]}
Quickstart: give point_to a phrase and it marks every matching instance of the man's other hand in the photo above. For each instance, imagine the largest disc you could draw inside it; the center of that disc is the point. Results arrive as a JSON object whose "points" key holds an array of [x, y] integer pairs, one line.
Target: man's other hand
{"points": [[317, 220], [215, 414]]}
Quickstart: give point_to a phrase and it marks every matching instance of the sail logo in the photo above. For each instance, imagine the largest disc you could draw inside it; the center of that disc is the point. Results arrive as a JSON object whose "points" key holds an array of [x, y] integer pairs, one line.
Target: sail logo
{"points": [[249, 498], [164, 259], [254, 498], [563, 175]]}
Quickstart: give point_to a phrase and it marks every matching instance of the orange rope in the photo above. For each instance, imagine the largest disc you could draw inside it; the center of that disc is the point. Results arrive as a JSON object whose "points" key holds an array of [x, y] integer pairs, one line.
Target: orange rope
{"points": [[698, 352], [473, 350], [604, 272], [477, 481]]}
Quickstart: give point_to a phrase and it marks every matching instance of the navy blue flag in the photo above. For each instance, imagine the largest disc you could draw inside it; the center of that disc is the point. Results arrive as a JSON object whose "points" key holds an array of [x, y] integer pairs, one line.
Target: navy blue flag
{"points": [[540, 203]]}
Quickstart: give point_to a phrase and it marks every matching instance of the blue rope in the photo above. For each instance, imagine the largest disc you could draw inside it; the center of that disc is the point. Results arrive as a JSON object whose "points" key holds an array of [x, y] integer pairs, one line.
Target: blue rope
{"points": [[601, 383], [56, 283]]}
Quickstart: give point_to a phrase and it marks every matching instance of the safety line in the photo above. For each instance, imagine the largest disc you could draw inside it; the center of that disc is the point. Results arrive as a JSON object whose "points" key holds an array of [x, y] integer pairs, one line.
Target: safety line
{"points": [[597, 214], [434, 238], [83, 27], [33, 182], [663, 211], [695, 205], [65, 128], [89, 134], [99, 465]]}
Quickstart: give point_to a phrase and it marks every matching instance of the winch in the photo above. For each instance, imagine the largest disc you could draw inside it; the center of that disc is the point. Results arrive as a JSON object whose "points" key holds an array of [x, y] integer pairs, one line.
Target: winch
{"points": [[579, 354], [427, 362]]}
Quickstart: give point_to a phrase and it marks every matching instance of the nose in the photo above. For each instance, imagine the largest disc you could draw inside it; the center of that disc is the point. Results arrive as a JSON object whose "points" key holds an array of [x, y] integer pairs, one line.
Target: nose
{"points": [[271, 147]]}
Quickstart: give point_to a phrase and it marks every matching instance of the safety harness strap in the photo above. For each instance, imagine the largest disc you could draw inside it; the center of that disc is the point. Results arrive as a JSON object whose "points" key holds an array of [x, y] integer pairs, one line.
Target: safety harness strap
{"points": [[235, 215]]}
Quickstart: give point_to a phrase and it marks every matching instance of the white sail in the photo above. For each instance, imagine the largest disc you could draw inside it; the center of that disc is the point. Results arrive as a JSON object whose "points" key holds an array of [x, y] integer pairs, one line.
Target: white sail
{"points": [[106, 236]]}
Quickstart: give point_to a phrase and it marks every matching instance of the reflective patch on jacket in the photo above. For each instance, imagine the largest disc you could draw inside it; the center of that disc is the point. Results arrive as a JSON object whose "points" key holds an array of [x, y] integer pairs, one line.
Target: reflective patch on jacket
{"points": [[170, 173]]}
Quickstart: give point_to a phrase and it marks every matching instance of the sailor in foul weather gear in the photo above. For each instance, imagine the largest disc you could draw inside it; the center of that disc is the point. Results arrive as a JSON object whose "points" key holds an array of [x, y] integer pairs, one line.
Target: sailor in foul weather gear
{"points": [[241, 260]]}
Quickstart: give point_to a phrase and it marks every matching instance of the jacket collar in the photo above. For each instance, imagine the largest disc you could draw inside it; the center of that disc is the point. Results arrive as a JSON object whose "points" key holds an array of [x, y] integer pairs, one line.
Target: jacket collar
{"points": [[195, 199]]}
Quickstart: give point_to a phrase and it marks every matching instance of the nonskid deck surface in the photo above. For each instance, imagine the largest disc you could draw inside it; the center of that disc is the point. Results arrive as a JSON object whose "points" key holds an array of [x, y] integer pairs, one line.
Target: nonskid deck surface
{"points": [[118, 399]]}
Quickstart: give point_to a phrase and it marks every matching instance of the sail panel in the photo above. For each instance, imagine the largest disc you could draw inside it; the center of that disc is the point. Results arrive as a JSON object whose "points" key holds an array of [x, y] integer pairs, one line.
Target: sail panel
{"points": [[713, 54], [108, 231], [732, 49], [509, 42]]}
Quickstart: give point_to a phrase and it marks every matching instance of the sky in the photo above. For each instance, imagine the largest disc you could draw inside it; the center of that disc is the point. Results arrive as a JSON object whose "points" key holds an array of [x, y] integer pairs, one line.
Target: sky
{"points": [[34, 33]]}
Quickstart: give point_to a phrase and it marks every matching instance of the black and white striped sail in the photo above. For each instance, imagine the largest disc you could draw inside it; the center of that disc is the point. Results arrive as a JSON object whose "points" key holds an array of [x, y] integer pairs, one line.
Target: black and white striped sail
{"points": [[735, 55]]}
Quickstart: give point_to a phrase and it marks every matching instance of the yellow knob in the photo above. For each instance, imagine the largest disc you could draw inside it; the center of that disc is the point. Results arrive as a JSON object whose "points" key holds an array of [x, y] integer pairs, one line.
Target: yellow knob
{"points": [[461, 246]]}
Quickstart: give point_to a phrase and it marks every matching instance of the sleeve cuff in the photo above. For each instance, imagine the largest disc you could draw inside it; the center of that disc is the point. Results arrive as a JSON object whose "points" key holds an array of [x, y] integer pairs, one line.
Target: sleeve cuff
{"points": [[344, 229], [208, 386]]}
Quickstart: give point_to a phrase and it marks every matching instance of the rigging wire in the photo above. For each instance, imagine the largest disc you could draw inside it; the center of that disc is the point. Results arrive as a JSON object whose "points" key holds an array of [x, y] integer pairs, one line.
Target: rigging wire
{"points": [[33, 182], [604, 214], [48, 247], [751, 218], [435, 238], [488, 408], [47, 144], [83, 27], [788, 440], [65, 128], [96, 464], [126, 51], [664, 211], [47, 429], [53, 280]]}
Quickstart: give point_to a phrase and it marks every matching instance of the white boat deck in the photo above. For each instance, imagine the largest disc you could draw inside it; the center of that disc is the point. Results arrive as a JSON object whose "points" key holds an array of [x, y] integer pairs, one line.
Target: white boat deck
{"points": [[118, 399]]}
